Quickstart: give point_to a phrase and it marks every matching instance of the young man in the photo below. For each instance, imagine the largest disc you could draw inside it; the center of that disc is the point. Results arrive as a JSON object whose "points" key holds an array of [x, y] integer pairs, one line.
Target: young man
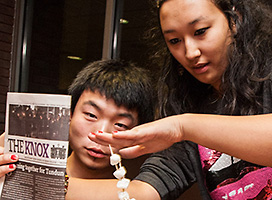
{"points": [[110, 95], [107, 96]]}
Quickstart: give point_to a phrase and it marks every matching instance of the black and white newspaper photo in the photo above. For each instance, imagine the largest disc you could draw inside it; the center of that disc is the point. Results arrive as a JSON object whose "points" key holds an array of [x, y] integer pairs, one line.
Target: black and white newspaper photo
{"points": [[37, 130]]}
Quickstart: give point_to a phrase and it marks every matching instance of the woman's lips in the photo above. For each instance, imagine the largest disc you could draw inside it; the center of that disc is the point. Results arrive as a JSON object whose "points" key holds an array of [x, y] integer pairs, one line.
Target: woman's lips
{"points": [[96, 153], [200, 69]]}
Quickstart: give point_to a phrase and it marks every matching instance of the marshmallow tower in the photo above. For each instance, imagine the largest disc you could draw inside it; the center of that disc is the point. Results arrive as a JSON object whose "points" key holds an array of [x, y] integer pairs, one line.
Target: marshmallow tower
{"points": [[115, 160]]}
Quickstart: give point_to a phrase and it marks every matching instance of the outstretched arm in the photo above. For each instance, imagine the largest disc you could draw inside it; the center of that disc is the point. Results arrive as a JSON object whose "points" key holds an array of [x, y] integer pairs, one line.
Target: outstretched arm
{"points": [[245, 137], [106, 189]]}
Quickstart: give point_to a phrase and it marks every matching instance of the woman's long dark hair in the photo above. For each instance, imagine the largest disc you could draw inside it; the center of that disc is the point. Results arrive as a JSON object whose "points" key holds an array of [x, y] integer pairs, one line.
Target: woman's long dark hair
{"points": [[250, 64]]}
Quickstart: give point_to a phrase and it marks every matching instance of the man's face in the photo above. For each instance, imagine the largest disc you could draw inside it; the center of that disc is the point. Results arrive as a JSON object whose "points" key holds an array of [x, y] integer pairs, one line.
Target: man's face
{"points": [[93, 112]]}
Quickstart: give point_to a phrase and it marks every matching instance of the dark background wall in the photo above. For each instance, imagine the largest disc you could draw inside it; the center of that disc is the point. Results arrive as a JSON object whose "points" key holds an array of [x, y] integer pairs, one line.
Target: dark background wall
{"points": [[7, 14]]}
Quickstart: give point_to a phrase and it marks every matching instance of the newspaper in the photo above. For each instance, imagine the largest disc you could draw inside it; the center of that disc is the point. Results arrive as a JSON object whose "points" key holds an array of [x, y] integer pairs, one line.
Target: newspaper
{"points": [[37, 130]]}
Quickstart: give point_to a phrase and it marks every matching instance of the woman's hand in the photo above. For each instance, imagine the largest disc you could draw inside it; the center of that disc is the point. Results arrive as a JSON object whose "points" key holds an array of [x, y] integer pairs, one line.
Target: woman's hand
{"points": [[7, 162], [143, 139]]}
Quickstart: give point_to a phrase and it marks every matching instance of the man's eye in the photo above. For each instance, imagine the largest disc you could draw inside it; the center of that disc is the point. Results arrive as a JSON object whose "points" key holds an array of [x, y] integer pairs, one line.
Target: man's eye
{"points": [[201, 31], [91, 115], [122, 126], [174, 41]]}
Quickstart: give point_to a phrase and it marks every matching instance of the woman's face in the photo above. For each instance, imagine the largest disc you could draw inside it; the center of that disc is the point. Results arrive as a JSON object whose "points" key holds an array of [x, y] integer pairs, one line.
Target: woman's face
{"points": [[198, 35]]}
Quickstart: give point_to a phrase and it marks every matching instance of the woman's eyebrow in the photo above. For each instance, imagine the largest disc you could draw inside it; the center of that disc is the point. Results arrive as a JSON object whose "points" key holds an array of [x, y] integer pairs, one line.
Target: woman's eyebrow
{"points": [[169, 31], [201, 18]]}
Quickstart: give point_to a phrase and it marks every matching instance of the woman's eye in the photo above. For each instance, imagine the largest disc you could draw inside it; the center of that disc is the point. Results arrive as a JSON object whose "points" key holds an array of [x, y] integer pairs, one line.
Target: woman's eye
{"points": [[201, 31], [174, 41]]}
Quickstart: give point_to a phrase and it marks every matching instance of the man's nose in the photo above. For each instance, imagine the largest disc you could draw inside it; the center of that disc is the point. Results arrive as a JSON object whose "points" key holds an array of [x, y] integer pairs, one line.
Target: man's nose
{"points": [[105, 126]]}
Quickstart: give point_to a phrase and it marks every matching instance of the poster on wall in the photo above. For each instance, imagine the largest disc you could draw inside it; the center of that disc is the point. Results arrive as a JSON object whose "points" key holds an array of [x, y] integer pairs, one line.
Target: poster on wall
{"points": [[37, 130]]}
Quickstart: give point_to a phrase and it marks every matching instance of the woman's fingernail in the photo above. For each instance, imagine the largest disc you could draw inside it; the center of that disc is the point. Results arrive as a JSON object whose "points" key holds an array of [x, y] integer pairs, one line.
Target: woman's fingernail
{"points": [[13, 157], [100, 132], [114, 132], [92, 133], [11, 166]]}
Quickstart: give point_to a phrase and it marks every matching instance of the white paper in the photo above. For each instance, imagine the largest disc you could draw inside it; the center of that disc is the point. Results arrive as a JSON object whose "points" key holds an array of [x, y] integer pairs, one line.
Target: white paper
{"points": [[37, 130]]}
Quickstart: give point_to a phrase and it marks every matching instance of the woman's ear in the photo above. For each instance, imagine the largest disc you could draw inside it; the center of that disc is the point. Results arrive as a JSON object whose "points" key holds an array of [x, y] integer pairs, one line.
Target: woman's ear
{"points": [[235, 21], [233, 27]]}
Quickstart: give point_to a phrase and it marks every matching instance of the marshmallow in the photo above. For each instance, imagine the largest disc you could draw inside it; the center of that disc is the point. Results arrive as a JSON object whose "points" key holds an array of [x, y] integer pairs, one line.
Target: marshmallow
{"points": [[123, 183], [120, 173], [123, 195], [115, 159]]}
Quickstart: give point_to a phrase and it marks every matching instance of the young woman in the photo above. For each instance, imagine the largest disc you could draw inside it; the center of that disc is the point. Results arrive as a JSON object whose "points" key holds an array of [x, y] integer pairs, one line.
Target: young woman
{"points": [[215, 97]]}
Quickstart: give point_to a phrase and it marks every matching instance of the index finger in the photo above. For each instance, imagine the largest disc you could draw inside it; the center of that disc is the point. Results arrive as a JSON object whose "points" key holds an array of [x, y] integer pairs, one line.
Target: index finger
{"points": [[107, 138]]}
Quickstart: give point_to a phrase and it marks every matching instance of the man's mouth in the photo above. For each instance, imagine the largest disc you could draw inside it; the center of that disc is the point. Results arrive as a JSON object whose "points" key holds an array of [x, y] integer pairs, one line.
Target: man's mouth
{"points": [[97, 153]]}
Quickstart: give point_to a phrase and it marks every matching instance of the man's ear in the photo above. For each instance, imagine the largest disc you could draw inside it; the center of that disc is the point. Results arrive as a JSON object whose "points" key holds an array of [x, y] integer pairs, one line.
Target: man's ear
{"points": [[70, 118]]}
